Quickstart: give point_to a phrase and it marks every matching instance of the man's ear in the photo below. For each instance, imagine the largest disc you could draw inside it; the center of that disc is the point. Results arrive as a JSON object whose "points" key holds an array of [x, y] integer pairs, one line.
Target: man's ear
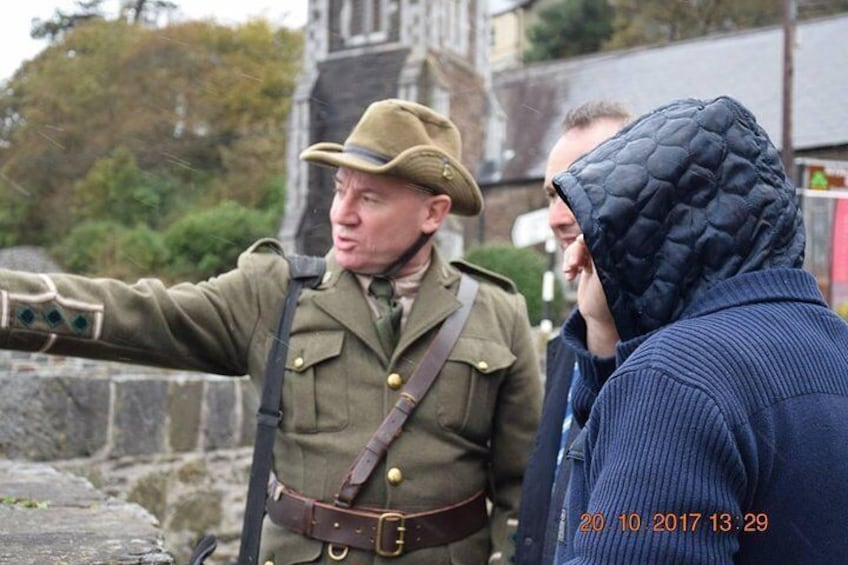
{"points": [[438, 208]]}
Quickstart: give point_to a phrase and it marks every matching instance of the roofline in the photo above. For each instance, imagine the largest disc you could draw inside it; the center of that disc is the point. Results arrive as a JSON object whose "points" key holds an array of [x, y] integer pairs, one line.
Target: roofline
{"points": [[615, 53]]}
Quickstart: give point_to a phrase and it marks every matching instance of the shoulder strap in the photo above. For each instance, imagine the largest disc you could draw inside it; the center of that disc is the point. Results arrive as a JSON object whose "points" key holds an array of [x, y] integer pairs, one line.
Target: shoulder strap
{"points": [[305, 271], [419, 383]]}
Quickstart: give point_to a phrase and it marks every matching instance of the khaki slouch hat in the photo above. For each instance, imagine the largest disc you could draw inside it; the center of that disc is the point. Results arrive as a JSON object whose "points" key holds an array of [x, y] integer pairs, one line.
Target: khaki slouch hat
{"points": [[409, 141]]}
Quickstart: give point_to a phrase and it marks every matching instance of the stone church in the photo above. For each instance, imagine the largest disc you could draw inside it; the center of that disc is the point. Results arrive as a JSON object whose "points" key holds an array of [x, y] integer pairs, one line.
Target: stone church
{"points": [[357, 51]]}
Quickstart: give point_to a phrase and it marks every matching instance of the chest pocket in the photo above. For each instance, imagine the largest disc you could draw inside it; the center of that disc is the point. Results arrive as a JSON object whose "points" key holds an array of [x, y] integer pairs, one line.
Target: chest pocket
{"points": [[315, 394], [468, 386]]}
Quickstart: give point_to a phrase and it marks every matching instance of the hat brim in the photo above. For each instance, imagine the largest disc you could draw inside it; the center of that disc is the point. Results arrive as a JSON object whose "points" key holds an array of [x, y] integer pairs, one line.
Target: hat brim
{"points": [[424, 165]]}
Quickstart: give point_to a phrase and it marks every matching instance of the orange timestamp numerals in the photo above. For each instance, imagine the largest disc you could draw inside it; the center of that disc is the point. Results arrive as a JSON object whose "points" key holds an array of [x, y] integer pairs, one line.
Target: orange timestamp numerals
{"points": [[717, 522]]}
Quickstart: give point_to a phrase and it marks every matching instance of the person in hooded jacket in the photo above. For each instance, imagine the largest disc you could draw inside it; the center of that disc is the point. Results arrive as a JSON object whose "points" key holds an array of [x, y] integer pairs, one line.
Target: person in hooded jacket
{"points": [[714, 396]]}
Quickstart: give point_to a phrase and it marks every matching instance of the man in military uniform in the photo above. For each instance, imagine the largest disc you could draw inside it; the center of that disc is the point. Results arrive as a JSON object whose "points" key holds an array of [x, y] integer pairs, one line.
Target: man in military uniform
{"points": [[352, 347]]}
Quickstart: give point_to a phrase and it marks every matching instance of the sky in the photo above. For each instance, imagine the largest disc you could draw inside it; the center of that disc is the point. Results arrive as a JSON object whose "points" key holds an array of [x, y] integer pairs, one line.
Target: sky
{"points": [[16, 20]]}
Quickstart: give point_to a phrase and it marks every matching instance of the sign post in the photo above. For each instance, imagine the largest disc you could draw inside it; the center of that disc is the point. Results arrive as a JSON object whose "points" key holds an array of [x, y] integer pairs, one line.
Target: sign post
{"points": [[530, 229]]}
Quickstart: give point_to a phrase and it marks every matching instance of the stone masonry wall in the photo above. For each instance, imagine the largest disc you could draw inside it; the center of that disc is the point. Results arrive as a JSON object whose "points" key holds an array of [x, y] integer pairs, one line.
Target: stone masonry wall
{"points": [[56, 518], [176, 443]]}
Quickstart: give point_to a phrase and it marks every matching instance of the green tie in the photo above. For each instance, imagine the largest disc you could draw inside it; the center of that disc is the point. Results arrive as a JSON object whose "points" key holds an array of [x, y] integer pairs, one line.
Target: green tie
{"points": [[388, 322]]}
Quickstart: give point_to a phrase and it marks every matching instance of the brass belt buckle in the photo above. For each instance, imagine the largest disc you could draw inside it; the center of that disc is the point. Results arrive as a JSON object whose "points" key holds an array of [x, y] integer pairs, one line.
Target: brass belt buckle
{"points": [[401, 530]]}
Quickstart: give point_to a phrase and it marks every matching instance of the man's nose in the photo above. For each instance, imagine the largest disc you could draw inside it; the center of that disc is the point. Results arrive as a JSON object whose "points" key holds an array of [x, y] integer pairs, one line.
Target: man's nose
{"points": [[559, 215], [343, 210]]}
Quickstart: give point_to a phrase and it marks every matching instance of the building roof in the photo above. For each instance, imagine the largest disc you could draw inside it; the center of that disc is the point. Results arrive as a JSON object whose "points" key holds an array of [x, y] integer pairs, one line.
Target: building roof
{"points": [[746, 65]]}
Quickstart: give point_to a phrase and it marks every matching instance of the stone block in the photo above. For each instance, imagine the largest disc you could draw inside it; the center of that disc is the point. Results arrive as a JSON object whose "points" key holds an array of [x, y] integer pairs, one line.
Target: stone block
{"points": [[140, 416], [151, 492], [51, 517], [53, 417], [249, 406], [223, 414], [198, 512], [185, 399]]}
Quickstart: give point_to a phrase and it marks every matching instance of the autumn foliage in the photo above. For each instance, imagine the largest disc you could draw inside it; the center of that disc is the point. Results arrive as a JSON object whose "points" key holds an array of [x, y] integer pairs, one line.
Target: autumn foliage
{"points": [[139, 128]]}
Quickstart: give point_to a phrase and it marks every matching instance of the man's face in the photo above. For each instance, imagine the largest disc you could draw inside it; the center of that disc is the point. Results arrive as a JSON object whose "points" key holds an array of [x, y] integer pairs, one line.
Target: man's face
{"points": [[376, 218], [573, 144]]}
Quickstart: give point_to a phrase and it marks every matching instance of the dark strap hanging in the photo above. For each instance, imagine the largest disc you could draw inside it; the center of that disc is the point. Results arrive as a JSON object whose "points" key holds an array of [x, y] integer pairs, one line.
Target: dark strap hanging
{"points": [[419, 383], [305, 271]]}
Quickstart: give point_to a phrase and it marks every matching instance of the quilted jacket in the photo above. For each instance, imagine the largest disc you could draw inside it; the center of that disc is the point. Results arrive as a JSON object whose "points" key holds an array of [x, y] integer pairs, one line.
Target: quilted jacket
{"points": [[691, 194], [719, 432]]}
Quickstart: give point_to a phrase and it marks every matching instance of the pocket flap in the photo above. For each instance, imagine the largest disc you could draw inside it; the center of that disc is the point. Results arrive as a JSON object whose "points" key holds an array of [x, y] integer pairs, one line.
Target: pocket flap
{"points": [[308, 349], [484, 355]]}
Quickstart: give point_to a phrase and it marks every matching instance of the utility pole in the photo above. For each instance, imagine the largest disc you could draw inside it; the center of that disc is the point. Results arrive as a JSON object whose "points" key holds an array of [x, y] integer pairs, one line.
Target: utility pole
{"points": [[790, 13]]}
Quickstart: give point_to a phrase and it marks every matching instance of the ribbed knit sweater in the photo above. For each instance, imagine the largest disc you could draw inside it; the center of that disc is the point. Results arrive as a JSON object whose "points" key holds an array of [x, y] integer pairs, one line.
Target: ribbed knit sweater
{"points": [[720, 438]]}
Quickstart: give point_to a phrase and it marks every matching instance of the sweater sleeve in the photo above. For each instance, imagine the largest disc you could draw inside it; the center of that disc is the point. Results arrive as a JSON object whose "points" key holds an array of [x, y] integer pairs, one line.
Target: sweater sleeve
{"points": [[665, 476], [594, 370]]}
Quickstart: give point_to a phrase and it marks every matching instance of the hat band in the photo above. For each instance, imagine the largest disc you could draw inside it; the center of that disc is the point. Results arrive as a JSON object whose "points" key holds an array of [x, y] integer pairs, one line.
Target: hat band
{"points": [[365, 153], [379, 159]]}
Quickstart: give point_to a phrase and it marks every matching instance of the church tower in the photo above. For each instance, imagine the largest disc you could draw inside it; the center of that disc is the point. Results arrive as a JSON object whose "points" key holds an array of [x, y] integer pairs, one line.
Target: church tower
{"points": [[357, 51]]}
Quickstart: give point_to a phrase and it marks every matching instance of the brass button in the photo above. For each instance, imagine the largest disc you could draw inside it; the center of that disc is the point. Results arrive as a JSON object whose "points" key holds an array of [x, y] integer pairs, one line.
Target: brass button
{"points": [[298, 363], [394, 476], [394, 381], [482, 365]]}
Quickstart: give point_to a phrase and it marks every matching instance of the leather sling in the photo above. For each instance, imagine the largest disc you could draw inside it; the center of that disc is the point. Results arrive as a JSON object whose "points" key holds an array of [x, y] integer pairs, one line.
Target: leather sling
{"points": [[304, 271], [387, 533], [419, 383]]}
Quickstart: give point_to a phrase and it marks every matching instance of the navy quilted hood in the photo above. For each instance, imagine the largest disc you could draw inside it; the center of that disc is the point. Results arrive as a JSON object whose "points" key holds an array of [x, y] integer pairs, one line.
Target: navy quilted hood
{"points": [[686, 196]]}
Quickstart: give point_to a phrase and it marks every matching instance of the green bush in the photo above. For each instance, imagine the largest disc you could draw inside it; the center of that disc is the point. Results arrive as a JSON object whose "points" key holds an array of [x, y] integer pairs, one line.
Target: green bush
{"points": [[108, 249], [526, 267], [116, 189], [208, 242], [87, 247]]}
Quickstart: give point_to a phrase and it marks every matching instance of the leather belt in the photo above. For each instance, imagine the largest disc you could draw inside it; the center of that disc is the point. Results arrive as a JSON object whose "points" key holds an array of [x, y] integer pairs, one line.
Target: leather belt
{"points": [[387, 533]]}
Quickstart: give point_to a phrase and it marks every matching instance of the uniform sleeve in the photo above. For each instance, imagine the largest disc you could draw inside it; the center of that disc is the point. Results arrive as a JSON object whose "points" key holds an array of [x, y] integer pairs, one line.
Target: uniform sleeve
{"points": [[516, 421], [206, 326], [665, 478]]}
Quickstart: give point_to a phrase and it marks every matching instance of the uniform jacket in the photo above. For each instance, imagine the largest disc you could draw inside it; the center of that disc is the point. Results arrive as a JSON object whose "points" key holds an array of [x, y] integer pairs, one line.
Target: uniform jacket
{"points": [[472, 431], [721, 435]]}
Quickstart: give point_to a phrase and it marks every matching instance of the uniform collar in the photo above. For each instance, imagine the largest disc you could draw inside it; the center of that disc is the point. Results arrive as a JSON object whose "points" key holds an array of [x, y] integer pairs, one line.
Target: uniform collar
{"points": [[341, 296]]}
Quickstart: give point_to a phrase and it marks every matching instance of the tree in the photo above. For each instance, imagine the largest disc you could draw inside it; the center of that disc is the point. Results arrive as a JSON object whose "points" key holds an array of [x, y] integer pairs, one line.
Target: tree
{"points": [[131, 11], [198, 107], [137, 11], [62, 22], [116, 189], [639, 22], [569, 28], [525, 267], [574, 27]]}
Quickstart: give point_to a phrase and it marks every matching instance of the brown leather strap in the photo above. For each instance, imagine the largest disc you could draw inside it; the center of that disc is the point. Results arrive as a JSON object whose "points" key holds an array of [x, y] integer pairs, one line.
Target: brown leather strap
{"points": [[419, 383], [388, 533]]}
